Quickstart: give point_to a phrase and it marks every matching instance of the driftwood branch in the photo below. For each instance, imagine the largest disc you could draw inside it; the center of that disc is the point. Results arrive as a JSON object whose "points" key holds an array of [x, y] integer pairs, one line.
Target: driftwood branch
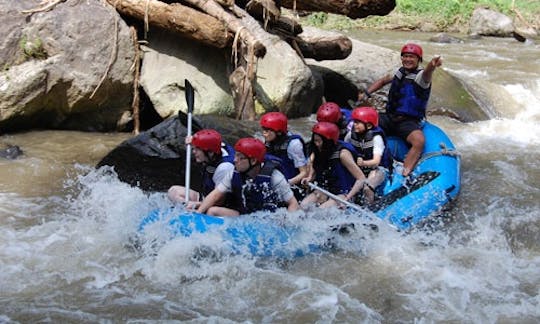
{"points": [[350, 8], [44, 5], [185, 21], [220, 32], [136, 76], [232, 23], [324, 47]]}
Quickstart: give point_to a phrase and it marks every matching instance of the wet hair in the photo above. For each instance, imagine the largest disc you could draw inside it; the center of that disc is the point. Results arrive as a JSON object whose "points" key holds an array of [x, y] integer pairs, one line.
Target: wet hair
{"points": [[322, 157]]}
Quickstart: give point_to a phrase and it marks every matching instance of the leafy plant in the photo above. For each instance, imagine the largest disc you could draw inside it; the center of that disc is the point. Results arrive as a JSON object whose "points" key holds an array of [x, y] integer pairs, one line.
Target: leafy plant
{"points": [[32, 48], [317, 18]]}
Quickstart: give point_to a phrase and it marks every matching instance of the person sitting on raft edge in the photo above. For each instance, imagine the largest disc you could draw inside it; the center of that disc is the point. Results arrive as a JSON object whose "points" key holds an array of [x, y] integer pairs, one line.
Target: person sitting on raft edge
{"points": [[255, 184], [215, 159], [334, 167], [374, 157], [407, 101], [289, 148]]}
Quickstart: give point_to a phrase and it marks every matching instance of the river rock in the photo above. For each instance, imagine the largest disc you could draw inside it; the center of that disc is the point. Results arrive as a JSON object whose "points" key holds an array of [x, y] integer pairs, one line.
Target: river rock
{"points": [[50, 69], [11, 152], [155, 159], [487, 22]]}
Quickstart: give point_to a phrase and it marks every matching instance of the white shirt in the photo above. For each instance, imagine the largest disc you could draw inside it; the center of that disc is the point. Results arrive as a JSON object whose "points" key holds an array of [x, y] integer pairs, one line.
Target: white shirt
{"points": [[295, 152]]}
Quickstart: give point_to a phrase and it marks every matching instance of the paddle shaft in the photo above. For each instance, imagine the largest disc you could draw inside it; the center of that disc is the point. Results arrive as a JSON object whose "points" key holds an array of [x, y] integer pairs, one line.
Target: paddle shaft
{"points": [[190, 93], [343, 201], [335, 197]]}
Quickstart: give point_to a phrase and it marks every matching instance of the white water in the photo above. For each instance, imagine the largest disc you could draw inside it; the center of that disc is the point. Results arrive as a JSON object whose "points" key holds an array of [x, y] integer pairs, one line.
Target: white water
{"points": [[64, 228]]}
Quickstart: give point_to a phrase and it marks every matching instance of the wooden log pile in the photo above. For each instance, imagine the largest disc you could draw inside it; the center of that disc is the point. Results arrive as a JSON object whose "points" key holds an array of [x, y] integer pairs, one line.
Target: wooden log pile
{"points": [[218, 23]]}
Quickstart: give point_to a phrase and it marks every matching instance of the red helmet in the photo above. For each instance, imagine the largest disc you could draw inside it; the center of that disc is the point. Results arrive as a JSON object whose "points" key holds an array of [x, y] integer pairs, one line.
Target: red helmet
{"points": [[412, 49], [366, 115], [329, 112], [327, 130], [251, 147], [207, 140], [276, 121]]}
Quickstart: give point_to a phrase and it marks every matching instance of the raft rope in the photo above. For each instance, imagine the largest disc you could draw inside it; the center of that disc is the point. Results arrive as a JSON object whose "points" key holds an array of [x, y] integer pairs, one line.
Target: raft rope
{"points": [[443, 152]]}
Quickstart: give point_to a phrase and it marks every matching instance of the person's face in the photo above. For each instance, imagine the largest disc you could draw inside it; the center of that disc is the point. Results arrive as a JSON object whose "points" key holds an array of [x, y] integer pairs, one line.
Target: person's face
{"points": [[199, 155], [269, 135], [358, 126], [318, 141], [410, 61], [241, 162]]}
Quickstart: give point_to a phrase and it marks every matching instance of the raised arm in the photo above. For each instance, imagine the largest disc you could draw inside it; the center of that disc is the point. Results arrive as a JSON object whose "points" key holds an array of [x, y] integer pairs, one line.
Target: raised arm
{"points": [[430, 68]]}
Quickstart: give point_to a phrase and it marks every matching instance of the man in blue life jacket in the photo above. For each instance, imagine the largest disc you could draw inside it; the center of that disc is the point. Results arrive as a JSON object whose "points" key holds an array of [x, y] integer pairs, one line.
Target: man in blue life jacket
{"points": [[215, 159], [255, 184], [288, 147], [407, 101]]}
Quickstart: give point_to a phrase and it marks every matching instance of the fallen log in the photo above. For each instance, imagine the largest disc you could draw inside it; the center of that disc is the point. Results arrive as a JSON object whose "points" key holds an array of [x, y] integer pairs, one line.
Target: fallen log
{"points": [[185, 21], [263, 10], [322, 48], [350, 8], [233, 24]]}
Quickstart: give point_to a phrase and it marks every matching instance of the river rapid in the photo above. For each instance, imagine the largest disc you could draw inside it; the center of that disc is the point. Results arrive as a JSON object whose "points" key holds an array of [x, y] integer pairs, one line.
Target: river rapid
{"points": [[64, 227]]}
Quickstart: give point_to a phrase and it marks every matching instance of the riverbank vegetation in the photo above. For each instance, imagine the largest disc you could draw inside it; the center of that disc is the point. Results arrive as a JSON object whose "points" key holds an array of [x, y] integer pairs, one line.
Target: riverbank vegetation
{"points": [[432, 15]]}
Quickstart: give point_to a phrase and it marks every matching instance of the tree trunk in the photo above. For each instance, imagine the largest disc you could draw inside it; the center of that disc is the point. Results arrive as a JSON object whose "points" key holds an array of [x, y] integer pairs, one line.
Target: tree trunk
{"points": [[324, 47], [350, 8], [232, 23], [183, 20], [263, 10]]}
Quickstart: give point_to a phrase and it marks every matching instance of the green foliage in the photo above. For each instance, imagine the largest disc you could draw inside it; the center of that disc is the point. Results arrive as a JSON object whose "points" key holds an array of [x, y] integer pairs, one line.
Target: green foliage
{"points": [[32, 48], [317, 18], [443, 14], [448, 11]]}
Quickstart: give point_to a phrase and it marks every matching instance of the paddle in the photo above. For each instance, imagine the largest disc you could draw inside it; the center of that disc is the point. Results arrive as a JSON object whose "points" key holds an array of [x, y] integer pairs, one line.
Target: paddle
{"points": [[190, 97], [335, 197], [343, 201]]}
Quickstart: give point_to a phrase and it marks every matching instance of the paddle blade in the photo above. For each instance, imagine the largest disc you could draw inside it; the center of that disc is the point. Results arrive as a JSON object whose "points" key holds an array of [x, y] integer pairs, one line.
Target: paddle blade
{"points": [[190, 96]]}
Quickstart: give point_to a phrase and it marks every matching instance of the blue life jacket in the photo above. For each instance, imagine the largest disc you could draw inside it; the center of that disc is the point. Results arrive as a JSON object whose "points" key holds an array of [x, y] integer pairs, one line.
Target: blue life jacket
{"points": [[227, 156], [344, 122], [251, 195], [278, 148], [335, 177], [406, 97], [364, 147]]}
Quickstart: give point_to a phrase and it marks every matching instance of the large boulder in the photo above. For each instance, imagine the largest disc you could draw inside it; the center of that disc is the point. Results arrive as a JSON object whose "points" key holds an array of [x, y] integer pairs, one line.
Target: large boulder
{"points": [[487, 22], [54, 60], [155, 159]]}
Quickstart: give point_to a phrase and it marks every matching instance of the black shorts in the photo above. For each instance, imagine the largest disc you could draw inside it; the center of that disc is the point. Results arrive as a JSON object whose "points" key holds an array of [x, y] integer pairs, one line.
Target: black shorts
{"points": [[398, 125]]}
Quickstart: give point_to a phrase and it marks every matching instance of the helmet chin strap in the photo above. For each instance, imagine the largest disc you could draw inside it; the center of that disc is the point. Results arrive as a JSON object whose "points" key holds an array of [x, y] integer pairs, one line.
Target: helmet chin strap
{"points": [[251, 166], [210, 159]]}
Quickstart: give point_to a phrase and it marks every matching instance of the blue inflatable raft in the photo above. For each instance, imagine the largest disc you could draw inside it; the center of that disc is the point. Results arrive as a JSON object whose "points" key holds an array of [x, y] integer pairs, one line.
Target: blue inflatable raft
{"points": [[404, 203], [435, 182]]}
